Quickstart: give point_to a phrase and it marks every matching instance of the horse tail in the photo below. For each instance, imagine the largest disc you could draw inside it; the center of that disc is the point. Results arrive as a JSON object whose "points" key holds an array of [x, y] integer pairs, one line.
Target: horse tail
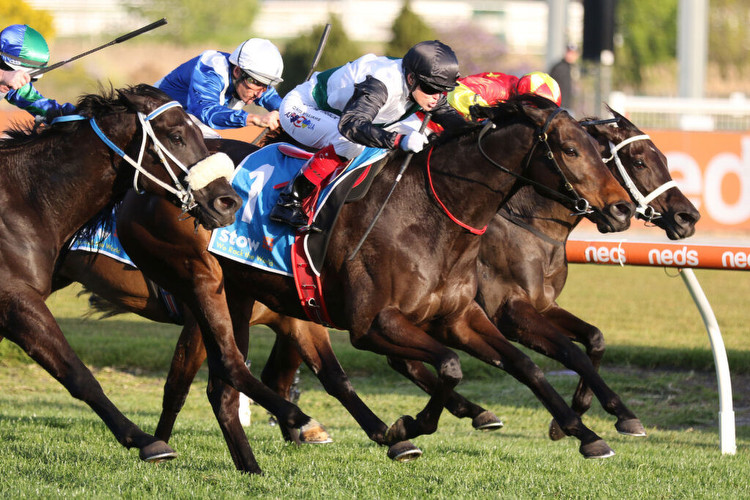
{"points": [[100, 305]]}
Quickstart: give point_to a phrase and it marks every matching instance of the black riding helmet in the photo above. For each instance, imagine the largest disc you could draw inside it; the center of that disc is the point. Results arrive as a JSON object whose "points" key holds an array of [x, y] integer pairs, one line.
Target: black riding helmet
{"points": [[434, 66]]}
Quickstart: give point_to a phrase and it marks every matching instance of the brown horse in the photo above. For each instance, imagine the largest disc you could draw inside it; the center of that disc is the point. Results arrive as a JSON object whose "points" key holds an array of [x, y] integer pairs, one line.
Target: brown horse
{"points": [[54, 180], [128, 290], [409, 292], [522, 270]]}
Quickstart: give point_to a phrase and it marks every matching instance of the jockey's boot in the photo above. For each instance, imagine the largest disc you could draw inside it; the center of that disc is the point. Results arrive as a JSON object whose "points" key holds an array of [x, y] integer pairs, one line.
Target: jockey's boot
{"points": [[288, 208]]}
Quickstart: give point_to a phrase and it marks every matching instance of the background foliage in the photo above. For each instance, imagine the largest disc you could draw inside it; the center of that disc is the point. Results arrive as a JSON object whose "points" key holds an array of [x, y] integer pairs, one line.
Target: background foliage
{"points": [[299, 53], [216, 22], [19, 12]]}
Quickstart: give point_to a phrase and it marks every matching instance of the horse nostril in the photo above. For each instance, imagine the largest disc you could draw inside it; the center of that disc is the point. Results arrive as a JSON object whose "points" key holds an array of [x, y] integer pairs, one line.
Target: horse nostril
{"points": [[686, 218], [624, 210], [227, 204]]}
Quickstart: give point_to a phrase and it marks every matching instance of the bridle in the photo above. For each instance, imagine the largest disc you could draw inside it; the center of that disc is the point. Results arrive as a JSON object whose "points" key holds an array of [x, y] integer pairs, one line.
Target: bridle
{"points": [[643, 210], [183, 193], [581, 206]]}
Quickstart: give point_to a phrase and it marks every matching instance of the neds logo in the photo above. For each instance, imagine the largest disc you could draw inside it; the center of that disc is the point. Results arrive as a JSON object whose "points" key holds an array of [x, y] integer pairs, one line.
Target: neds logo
{"points": [[667, 257], [604, 255]]}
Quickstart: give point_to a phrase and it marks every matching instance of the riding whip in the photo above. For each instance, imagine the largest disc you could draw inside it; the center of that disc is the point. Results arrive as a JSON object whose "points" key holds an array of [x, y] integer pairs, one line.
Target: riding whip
{"points": [[127, 36], [316, 59], [405, 164]]}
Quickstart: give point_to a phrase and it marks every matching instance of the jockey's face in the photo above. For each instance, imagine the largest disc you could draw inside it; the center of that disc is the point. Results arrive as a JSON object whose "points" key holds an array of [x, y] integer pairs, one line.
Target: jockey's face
{"points": [[247, 90], [427, 100]]}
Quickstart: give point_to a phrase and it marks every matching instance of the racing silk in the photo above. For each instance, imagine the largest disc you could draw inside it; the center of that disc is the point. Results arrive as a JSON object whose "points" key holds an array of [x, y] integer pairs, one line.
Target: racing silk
{"points": [[204, 87], [29, 99], [484, 89], [370, 94]]}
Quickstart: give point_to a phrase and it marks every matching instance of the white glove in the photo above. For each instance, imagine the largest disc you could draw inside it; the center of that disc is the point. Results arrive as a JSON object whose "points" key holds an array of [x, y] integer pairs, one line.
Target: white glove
{"points": [[413, 141]]}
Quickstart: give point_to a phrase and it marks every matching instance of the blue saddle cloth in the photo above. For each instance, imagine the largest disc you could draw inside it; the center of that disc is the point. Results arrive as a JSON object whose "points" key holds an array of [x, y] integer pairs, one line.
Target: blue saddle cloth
{"points": [[105, 242], [253, 238]]}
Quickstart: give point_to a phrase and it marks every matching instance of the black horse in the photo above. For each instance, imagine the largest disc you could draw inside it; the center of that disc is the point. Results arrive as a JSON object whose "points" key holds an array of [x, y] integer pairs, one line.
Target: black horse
{"points": [[54, 180], [409, 292]]}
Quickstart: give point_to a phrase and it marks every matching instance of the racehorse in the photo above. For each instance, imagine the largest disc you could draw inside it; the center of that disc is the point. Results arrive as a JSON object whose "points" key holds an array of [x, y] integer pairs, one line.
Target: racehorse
{"points": [[127, 289], [522, 269], [409, 292], [54, 180]]}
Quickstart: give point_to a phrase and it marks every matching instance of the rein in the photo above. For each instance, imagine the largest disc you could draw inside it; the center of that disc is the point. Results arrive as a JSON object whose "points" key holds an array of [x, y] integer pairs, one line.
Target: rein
{"points": [[183, 194], [472, 230], [644, 210], [580, 205]]}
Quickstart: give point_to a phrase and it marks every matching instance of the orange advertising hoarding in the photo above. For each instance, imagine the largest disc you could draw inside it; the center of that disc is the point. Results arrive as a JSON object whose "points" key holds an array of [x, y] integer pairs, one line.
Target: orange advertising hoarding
{"points": [[713, 170]]}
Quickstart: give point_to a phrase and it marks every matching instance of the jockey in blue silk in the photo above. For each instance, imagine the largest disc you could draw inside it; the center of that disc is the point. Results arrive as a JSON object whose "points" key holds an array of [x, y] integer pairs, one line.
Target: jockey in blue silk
{"points": [[23, 49], [215, 86], [342, 110]]}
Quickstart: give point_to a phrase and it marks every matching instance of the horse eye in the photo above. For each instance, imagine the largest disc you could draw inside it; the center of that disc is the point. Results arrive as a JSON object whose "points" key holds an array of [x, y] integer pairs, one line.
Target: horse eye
{"points": [[570, 151], [639, 164], [176, 139]]}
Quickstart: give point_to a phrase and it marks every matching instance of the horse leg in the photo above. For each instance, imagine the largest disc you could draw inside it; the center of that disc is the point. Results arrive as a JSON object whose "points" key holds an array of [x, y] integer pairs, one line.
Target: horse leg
{"points": [[457, 404], [28, 323], [280, 370], [391, 334], [188, 357], [476, 334], [591, 382]]}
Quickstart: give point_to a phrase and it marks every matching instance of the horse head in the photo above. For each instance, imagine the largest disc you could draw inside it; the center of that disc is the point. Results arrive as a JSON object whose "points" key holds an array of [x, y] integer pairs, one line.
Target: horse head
{"points": [[642, 168], [170, 158], [563, 162]]}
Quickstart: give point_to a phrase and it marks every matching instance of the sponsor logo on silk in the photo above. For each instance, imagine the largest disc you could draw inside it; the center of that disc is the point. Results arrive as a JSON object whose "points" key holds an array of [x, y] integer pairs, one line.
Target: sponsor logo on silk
{"points": [[300, 121]]}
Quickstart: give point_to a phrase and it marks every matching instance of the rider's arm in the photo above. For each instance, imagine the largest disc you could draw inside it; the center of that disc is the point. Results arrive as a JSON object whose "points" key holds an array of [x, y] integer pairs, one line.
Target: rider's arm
{"points": [[29, 99], [204, 98], [357, 116]]}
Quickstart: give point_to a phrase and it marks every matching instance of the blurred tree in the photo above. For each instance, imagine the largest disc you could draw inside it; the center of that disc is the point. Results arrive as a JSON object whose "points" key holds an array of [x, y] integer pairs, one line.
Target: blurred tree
{"points": [[224, 23], [19, 12], [478, 50], [647, 33], [408, 29], [729, 36], [299, 52]]}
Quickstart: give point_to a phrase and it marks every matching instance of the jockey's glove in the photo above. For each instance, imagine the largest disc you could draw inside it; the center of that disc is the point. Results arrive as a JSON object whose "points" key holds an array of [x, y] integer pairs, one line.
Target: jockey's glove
{"points": [[413, 141]]}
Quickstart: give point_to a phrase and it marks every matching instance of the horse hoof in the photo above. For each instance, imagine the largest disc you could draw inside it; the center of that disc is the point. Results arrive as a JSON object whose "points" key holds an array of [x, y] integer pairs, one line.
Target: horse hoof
{"points": [[314, 433], [630, 427], [157, 452], [486, 421], [555, 431], [404, 451], [597, 449], [398, 431]]}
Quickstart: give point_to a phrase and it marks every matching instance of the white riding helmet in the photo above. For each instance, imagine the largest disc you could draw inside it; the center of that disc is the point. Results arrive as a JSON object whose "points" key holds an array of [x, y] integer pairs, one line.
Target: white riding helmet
{"points": [[260, 59]]}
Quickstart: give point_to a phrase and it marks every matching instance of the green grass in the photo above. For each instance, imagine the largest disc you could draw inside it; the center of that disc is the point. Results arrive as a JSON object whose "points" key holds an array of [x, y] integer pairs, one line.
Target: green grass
{"points": [[658, 359]]}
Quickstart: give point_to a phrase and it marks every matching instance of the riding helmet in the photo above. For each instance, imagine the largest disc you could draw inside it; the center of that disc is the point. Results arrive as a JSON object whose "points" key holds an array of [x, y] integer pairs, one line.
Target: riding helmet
{"points": [[259, 59], [432, 63], [541, 84], [22, 47]]}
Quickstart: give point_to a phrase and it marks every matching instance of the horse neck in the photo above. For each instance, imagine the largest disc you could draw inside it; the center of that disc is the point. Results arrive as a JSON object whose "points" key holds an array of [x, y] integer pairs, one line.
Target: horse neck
{"points": [[469, 186], [527, 208], [73, 185]]}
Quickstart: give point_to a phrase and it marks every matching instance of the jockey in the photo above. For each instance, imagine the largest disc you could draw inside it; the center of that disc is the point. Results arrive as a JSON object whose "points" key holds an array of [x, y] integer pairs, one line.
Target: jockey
{"points": [[215, 86], [344, 109], [23, 49]]}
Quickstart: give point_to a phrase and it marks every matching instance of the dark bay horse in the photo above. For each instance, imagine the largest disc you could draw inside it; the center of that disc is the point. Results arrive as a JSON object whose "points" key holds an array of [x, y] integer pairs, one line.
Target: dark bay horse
{"points": [[127, 289], [409, 292], [522, 270], [54, 180]]}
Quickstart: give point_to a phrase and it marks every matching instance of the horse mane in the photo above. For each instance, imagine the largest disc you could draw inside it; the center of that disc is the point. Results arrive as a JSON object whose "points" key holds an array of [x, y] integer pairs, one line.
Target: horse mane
{"points": [[502, 113], [107, 101]]}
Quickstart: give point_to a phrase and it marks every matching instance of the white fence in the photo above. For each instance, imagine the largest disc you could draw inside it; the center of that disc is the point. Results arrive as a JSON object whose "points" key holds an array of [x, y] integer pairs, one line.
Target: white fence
{"points": [[684, 113]]}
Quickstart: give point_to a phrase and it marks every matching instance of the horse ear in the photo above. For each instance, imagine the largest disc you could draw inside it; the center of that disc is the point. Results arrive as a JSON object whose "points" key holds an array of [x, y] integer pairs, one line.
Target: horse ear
{"points": [[142, 97], [622, 122], [536, 115]]}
